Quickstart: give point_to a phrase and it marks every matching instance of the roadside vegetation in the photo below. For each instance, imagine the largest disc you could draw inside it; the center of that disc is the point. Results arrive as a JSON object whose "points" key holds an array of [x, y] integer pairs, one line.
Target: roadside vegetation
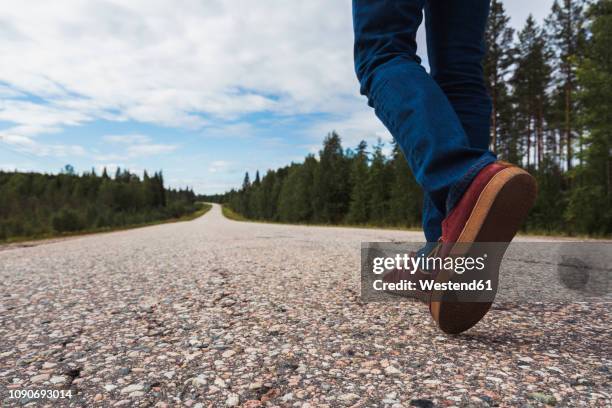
{"points": [[231, 214], [551, 87], [34, 205]]}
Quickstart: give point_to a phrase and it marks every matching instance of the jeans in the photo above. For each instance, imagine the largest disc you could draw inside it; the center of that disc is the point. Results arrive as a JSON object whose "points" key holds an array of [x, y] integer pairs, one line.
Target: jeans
{"points": [[440, 120]]}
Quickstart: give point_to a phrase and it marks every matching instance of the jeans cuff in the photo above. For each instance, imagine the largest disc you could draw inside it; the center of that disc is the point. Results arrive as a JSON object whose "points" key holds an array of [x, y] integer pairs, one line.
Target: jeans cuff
{"points": [[456, 191]]}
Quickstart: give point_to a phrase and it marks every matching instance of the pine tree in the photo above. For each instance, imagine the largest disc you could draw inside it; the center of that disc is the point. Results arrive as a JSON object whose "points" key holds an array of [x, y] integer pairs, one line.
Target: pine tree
{"points": [[332, 195], [530, 80], [567, 36], [358, 210], [497, 64], [379, 183], [245, 196], [267, 205], [255, 197], [590, 207], [406, 201], [295, 199]]}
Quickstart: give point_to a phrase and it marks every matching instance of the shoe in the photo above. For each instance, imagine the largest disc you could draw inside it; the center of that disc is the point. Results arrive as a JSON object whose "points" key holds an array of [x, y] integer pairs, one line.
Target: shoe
{"points": [[397, 276], [492, 209]]}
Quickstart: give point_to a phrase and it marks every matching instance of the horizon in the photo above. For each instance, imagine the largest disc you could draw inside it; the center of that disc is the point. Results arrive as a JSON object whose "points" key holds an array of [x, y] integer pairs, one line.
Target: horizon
{"points": [[196, 91]]}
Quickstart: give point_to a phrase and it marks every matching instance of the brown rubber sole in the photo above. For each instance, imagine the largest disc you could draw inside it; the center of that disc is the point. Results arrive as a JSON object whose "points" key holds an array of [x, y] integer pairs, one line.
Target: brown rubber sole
{"points": [[415, 295], [498, 214]]}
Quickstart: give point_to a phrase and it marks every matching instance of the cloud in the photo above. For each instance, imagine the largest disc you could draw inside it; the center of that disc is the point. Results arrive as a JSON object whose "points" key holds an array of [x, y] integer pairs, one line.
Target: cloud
{"points": [[225, 130], [135, 145], [25, 144], [175, 66], [149, 149], [353, 127], [127, 139], [218, 166]]}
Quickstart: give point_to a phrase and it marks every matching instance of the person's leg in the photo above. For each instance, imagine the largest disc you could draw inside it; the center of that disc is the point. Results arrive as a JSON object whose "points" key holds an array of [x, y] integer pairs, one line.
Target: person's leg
{"points": [[432, 222], [456, 49], [498, 197], [411, 104]]}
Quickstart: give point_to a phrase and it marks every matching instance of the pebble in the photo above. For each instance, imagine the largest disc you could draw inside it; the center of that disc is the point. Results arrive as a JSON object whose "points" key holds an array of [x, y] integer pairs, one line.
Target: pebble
{"points": [[255, 385], [132, 388], [59, 379], [348, 397], [392, 371], [124, 371], [199, 381], [39, 378], [232, 400], [543, 398]]}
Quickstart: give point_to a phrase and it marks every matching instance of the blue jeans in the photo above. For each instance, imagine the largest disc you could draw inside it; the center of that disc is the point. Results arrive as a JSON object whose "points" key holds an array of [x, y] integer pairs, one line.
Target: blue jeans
{"points": [[440, 120]]}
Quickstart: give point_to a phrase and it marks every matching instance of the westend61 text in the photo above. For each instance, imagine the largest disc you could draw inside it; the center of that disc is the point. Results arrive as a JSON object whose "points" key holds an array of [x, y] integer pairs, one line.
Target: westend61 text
{"points": [[429, 285]]}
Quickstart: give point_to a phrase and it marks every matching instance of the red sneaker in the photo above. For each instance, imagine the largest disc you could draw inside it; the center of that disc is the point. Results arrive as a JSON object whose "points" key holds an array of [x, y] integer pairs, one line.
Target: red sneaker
{"points": [[492, 209], [397, 276]]}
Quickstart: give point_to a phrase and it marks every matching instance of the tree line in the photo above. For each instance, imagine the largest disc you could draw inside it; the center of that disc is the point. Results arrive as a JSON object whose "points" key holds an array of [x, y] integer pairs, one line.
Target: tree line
{"points": [[34, 204], [551, 87]]}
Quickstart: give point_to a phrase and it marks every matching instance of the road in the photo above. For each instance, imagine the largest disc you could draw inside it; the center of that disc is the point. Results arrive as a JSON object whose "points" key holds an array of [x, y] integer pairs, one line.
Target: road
{"points": [[214, 312]]}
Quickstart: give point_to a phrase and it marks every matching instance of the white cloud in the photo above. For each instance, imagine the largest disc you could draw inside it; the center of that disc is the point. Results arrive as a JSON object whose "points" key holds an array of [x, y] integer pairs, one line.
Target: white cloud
{"points": [[217, 166], [127, 139], [149, 149], [175, 65], [353, 128], [135, 145], [25, 144]]}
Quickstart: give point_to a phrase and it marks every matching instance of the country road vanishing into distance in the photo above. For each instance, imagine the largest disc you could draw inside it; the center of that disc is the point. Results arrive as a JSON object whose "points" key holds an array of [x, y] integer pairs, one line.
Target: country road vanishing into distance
{"points": [[214, 312]]}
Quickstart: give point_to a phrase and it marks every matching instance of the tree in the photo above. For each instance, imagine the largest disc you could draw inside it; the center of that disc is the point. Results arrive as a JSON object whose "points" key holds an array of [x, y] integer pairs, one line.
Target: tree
{"points": [[379, 183], [295, 200], [406, 201], [497, 64], [332, 194], [33, 204], [567, 36], [358, 210], [530, 80], [590, 203], [69, 169]]}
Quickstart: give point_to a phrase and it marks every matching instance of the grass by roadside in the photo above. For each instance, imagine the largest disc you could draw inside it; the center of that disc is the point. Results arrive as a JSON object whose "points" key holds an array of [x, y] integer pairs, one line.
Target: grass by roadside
{"points": [[204, 208], [232, 215]]}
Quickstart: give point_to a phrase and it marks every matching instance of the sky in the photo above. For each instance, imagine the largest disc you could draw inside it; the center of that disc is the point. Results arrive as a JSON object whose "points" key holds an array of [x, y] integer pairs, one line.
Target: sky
{"points": [[201, 89]]}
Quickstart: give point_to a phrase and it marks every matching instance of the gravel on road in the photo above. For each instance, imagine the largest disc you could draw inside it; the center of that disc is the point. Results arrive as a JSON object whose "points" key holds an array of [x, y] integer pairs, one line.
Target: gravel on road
{"points": [[214, 312]]}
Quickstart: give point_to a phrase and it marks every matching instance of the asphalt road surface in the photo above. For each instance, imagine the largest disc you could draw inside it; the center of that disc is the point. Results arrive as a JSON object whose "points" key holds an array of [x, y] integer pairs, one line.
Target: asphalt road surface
{"points": [[214, 312]]}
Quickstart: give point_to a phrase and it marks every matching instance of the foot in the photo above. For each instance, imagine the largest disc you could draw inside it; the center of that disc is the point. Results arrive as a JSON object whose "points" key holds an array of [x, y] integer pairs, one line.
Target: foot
{"points": [[397, 276], [491, 210]]}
